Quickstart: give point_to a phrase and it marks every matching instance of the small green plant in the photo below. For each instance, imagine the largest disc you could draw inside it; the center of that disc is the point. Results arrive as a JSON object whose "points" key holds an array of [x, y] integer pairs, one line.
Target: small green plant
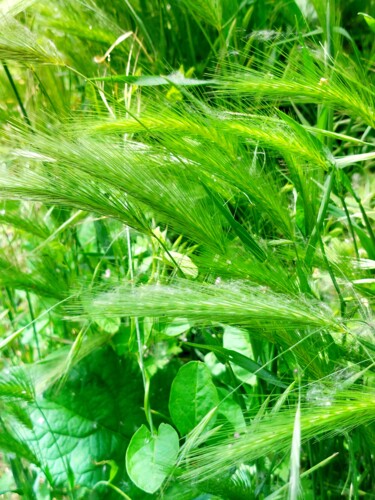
{"points": [[188, 250]]}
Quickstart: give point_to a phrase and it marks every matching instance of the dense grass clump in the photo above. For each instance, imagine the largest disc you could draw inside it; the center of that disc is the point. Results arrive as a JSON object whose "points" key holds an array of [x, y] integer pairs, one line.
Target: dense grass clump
{"points": [[188, 250]]}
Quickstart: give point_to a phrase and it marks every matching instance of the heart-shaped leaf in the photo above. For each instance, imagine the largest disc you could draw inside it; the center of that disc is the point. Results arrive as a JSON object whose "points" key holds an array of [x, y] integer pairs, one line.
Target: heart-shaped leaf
{"points": [[150, 457]]}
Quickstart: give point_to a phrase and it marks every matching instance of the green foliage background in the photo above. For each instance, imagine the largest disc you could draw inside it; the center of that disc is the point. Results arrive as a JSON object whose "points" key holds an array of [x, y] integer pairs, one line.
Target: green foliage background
{"points": [[187, 249]]}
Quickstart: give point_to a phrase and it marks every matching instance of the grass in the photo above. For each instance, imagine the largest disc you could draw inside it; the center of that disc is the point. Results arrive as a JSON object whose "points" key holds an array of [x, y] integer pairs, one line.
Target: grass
{"points": [[187, 250]]}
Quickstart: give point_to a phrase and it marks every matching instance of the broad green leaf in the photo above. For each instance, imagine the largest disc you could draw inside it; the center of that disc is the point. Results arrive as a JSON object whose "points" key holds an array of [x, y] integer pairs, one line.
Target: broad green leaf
{"points": [[109, 325], [107, 389], [150, 457], [177, 327], [65, 441], [184, 262], [193, 395], [90, 420]]}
